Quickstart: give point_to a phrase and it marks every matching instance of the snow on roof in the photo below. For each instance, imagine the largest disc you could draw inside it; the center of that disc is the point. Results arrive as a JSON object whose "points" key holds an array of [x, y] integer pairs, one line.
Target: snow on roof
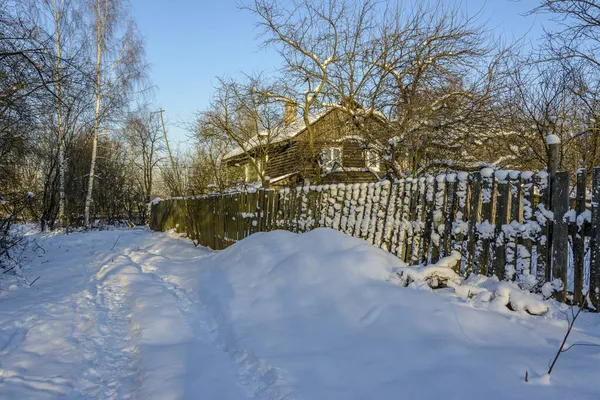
{"points": [[279, 134]]}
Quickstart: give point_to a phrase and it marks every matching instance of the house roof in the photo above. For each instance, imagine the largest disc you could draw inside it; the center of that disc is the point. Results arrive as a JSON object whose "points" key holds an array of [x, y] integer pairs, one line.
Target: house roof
{"points": [[279, 134]]}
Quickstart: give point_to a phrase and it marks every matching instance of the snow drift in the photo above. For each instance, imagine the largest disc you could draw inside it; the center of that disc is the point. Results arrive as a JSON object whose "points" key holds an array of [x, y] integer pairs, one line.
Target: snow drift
{"points": [[135, 314], [319, 311]]}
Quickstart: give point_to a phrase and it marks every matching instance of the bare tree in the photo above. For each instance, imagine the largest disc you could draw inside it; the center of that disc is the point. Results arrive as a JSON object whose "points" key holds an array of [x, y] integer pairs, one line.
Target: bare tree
{"points": [[307, 36], [242, 115], [578, 34], [118, 66], [545, 98], [145, 139], [417, 82]]}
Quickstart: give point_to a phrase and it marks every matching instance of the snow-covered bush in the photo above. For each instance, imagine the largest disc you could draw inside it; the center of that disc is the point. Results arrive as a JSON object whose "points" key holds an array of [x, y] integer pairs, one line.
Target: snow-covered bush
{"points": [[436, 275], [501, 295]]}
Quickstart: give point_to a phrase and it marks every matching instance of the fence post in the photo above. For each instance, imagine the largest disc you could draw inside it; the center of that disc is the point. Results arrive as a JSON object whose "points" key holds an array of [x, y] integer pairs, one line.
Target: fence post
{"points": [[419, 222], [499, 262], [595, 241], [560, 237], [513, 242], [474, 208], [526, 229], [579, 238], [449, 215], [485, 231], [553, 142], [438, 215], [543, 240]]}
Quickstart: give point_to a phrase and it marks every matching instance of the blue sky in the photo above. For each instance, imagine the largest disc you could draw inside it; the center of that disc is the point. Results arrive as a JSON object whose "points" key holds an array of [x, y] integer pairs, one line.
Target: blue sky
{"points": [[190, 42]]}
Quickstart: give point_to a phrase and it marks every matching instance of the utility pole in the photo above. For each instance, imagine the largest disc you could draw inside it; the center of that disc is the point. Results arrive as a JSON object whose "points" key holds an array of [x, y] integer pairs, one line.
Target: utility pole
{"points": [[176, 176]]}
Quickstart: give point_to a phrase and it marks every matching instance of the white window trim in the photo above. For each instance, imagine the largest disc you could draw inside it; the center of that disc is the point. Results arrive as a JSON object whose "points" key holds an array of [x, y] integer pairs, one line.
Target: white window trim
{"points": [[368, 164], [329, 168]]}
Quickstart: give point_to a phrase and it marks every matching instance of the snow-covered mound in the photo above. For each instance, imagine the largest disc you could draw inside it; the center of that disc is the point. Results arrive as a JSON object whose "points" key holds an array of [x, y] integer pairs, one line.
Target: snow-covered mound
{"points": [[319, 313], [135, 314]]}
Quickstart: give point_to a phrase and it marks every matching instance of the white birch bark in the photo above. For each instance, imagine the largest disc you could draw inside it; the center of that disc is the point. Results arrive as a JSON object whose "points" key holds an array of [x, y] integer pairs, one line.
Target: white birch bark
{"points": [[101, 15]]}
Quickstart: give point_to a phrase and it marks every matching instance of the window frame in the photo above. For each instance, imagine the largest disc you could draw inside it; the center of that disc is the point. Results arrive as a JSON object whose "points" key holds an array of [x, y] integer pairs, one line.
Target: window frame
{"points": [[329, 166], [373, 167]]}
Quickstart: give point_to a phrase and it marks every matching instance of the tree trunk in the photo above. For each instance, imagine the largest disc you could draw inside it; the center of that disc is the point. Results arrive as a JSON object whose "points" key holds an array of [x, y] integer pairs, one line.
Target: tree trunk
{"points": [[60, 128], [99, 28]]}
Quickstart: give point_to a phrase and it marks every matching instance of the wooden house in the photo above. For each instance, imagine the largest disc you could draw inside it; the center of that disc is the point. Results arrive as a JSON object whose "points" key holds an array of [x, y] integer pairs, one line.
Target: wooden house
{"points": [[337, 144]]}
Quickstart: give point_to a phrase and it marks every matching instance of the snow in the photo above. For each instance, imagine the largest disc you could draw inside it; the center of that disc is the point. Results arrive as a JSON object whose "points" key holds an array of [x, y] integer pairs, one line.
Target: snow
{"points": [[487, 172], [463, 176], [133, 314], [502, 175], [527, 175], [552, 139]]}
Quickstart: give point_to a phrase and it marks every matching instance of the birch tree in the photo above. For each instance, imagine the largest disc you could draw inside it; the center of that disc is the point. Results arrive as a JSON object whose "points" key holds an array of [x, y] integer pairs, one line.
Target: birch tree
{"points": [[118, 65], [69, 66]]}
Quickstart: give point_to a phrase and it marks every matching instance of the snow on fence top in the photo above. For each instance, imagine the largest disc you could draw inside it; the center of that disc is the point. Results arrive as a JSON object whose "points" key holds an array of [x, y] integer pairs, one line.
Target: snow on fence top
{"points": [[513, 225]]}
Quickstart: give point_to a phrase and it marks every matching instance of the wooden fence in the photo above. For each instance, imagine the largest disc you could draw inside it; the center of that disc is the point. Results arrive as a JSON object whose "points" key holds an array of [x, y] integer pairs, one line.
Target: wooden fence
{"points": [[530, 227]]}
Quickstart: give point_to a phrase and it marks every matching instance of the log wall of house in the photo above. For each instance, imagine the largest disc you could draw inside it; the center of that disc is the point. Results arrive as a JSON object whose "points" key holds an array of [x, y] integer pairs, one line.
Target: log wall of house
{"points": [[283, 161], [334, 129], [353, 156]]}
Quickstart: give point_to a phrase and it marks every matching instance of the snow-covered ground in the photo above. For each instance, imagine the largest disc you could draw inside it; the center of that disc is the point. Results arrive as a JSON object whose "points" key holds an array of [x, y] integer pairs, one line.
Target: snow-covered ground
{"points": [[141, 315]]}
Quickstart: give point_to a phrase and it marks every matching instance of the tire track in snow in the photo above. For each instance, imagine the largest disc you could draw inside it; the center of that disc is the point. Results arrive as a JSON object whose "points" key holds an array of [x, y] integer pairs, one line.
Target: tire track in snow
{"points": [[256, 376]]}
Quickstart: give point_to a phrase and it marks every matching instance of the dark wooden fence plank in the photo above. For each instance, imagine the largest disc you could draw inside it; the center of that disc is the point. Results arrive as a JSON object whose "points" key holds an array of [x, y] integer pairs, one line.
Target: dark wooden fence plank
{"points": [[474, 213], [460, 225], [384, 206], [438, 217], [366, 220], [560, 236], [499, 262], [388, 222], [512, 231], [579, 238], [528, 232], [419, 221], [360, 209], [428, 212], [449, 216], [403, 238], [486, 228], [594, 289], [398, 217], [543, 239]]}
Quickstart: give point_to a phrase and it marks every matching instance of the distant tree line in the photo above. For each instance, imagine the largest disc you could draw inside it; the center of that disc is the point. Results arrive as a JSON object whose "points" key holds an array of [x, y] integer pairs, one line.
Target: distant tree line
{"points": [[78, 139]]}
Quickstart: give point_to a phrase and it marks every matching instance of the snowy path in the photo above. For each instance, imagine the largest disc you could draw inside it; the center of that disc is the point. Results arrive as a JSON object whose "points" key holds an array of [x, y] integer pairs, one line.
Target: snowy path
{"points": [[111, 326], [141, 315]]}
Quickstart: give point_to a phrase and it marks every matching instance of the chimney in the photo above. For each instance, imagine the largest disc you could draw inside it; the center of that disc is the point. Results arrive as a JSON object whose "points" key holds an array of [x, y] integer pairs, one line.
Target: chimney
{"points": [[289, 113]]}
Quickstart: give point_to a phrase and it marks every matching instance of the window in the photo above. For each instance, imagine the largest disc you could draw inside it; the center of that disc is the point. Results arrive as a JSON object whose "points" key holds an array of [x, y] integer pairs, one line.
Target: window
{"points": [[250, 173], [331, 158], [372, 160]]}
